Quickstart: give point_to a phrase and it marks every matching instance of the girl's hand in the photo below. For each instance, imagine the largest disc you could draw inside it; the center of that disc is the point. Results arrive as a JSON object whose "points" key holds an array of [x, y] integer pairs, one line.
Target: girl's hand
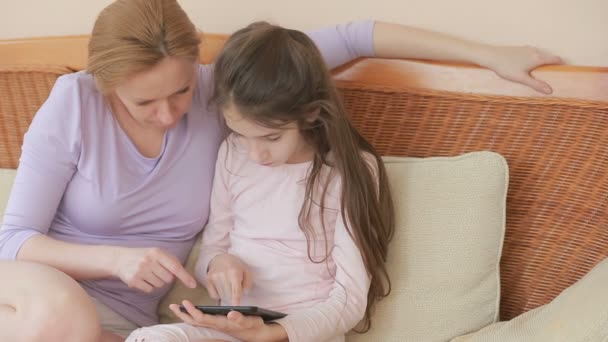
{"points": [[227, 277], [148, 269], [515, 63], [245, 328]]}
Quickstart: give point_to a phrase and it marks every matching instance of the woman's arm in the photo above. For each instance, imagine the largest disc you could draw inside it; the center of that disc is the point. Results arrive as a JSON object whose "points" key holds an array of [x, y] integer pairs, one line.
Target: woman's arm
{"points": [[510, 62], [343, 43], [50, 153]]}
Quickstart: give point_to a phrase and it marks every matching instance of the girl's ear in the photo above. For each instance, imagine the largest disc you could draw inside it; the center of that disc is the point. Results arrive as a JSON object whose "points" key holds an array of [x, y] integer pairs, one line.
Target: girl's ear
{"points": [[314, 115]]}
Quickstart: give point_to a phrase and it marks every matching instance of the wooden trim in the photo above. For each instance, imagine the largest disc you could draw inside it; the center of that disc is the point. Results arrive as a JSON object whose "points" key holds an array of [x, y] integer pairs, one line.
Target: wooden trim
{"points": [[585, 83], [71, 51], [578, 82]]}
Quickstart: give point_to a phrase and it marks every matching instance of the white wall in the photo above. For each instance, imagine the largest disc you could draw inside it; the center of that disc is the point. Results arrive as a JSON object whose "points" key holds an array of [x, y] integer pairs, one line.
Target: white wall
{"points": [[577, 30]]}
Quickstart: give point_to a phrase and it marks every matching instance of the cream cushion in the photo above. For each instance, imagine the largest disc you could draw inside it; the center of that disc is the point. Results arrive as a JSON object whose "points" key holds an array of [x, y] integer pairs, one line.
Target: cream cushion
{"points": [[578, 314], [444, 260], [7, 177]]}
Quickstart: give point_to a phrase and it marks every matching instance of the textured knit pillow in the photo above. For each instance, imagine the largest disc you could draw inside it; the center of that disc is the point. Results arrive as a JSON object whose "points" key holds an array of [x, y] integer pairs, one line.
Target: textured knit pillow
{"points": [[579, 314], [444, 259], [7, 177]]}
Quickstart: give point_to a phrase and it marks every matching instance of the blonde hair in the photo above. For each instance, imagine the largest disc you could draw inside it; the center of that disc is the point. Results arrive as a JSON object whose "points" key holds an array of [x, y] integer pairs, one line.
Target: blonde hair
{"points": [[130, 36]]}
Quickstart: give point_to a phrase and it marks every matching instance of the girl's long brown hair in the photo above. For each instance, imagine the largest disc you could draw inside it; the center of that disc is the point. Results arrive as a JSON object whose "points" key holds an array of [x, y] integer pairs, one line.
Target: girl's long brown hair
{"points": [[275, 76]]}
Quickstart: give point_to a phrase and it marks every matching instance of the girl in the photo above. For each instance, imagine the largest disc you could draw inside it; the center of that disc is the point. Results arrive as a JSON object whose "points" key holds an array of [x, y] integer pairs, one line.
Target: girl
{"points": [[301, 213]]}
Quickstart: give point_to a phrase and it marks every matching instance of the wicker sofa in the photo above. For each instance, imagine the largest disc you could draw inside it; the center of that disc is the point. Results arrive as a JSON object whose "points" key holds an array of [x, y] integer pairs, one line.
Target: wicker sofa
{"points": [[555, 145]]}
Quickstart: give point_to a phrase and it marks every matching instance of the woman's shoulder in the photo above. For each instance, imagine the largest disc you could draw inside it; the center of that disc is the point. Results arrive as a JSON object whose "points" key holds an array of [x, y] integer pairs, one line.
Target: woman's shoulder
{"points": [[204, 90], [67, 95], [76, 90], [81, 81], [205, 80], [69, 107]]}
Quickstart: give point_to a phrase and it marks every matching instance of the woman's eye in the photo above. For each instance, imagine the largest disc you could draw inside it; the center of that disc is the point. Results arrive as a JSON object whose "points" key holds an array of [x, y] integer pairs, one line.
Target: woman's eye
{"points": [[273, 138], [144, 103]]}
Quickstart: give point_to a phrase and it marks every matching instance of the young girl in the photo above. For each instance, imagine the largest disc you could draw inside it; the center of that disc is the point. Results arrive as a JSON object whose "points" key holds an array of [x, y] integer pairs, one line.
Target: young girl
{"points": [[301, 213]]}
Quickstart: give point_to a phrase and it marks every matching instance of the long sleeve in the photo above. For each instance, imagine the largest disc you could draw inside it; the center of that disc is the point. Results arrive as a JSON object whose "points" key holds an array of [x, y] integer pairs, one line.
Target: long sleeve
{"points": [[346, 303], [345, 42], [48, 160], [216, 235]]}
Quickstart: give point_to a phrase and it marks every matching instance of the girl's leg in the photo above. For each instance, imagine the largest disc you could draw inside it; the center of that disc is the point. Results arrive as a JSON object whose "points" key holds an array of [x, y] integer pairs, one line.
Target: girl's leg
{"points": [[40, 303], [180, 332], [107, 336]]}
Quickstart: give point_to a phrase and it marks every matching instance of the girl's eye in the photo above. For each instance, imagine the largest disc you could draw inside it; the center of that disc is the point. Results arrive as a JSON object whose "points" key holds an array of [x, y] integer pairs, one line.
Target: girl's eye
{"points": [[183, 91], [273, 138]]}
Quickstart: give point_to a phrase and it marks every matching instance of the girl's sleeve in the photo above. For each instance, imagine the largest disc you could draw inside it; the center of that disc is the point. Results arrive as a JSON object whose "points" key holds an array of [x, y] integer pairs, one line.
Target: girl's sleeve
{"points": [[216, 235], [347, 301]]}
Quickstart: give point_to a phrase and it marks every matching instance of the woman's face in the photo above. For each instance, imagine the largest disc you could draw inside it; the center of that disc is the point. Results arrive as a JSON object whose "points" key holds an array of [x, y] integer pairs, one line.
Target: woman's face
{"points": [[158, 98]]}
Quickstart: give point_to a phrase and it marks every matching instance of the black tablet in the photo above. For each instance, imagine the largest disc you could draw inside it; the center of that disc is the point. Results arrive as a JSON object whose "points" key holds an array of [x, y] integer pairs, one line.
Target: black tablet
{"points": [[265, 314]]}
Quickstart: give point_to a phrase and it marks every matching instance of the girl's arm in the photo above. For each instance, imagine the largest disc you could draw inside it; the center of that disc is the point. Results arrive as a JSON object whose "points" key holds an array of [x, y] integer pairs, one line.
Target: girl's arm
{"points": [[216, 235], [223, 274], [337, 315], [346, 303]]}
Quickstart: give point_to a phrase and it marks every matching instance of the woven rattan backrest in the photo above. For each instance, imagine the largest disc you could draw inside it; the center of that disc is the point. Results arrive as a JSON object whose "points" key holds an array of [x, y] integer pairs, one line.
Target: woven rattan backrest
{"points": [[23, 89], [557, 222]]}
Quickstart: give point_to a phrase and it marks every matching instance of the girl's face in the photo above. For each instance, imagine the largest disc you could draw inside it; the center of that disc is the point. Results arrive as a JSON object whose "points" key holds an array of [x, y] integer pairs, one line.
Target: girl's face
{"points": [[268, 146], [159, 97]]}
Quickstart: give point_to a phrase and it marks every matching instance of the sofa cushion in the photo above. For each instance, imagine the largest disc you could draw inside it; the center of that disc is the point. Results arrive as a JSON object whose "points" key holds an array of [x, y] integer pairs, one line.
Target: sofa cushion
{"points": [[7, 176], [578, 314], [444, 260]]}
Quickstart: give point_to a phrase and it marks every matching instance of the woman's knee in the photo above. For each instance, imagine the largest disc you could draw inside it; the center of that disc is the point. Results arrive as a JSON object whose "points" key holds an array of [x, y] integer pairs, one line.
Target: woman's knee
{"points": [[70, 315], [51, 306]]}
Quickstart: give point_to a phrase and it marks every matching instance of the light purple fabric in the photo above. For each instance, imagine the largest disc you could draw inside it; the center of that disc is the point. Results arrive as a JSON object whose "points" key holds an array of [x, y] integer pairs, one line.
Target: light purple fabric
{"points": [[81, 180]]}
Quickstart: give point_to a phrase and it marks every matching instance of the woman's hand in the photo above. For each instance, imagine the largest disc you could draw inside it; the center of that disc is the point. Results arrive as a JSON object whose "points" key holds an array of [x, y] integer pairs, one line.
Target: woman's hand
{"points": [[245, 328], [515, 63], [509, 62], [227, 278], [148, 269]]}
